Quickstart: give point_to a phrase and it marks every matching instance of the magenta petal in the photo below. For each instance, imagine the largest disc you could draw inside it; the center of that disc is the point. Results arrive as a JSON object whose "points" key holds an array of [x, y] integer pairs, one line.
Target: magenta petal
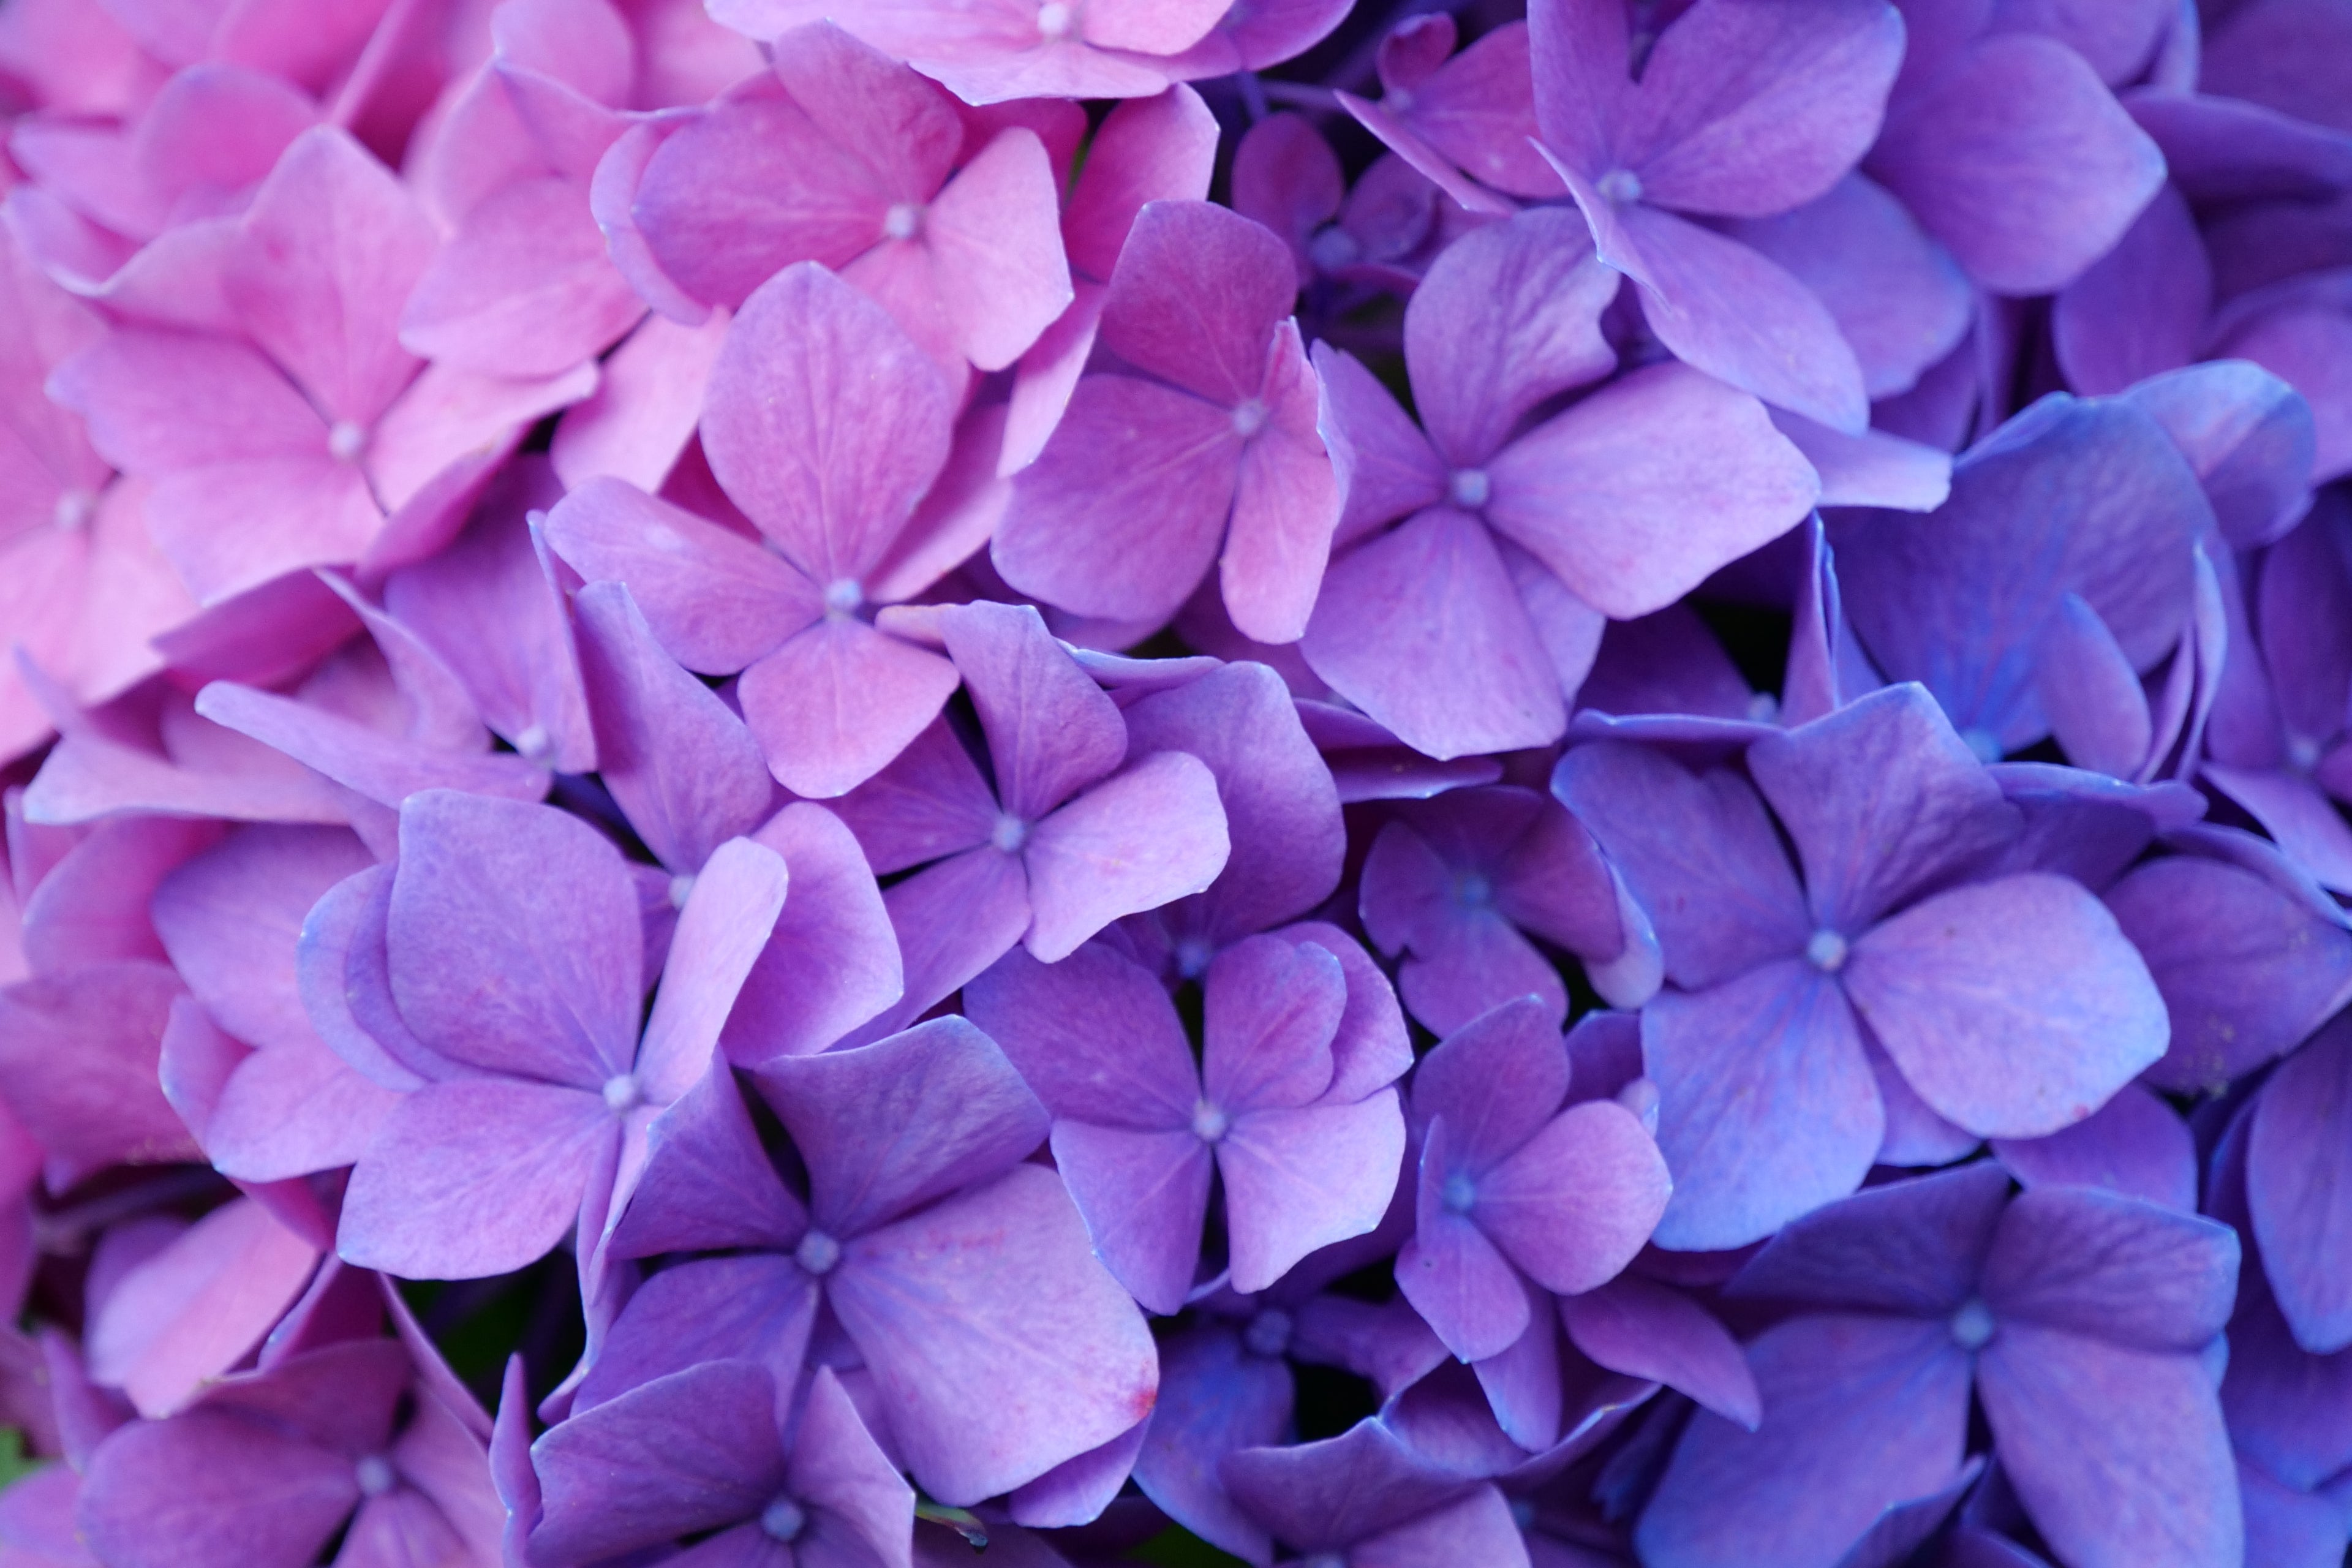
{"points": [[324, 260], [1870, 1412], [644, 407], [1147, 835], [721, 932], [847, 1111], [997, 1347], [1144, 1195], [995, 239], [1574, 1204], [293, 1109], [137, 388], [2068, 1410], [1767, 1103], [1195, 296], [825, 422], [1095, 1035], [207, 1490], [1422, 629], [473, 1177], [1976, 170], [1749, 110], [684, 769], [1051, 730], [1299, 1180], [549, 988], [1285, 505], [1528, 294], [1387, 467], [838, 700], [1726, 309], [715, 600], [1123, 511], [1632, 516], [80, 1053], [1152, 149], [832, 961], [2014, 1008], [1649, 1331]]}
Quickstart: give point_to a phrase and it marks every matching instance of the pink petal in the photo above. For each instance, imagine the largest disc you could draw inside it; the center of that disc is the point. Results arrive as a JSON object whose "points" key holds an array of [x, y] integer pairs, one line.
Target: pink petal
{"points": [[825, 422], [644, 409], [835, 704], [995, 237], [1195, 296], [1286, 506], [523, 289]]}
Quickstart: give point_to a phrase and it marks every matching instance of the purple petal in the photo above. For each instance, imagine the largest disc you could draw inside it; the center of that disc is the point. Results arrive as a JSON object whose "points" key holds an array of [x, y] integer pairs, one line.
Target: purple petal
{"points": [[1698, 854], [207, 1490], [2159, 265], [2070, 1414], [721, 932], [1149, 833], [1969, 154], [474, 1177], [2134, 1144], [1195, 298], [1883, 802], [1144, 1195], [1767, 1106], [1095, 1035], [1297, 1181], [1869, 1412], [852, 1112], [1286, 503], [1649, 1331], [1214, 1398], [513, 939], [1497, 1081], [2299, 1190], [681, 1454], [755, 1306], [1912, 1248], [2113, 1268], [1456, 1279], [1051, 730], [832, 961], [838, 702], [700, 1150], [1576, 1202], [1748, 110], [1632, 517], [1422, 629], [997, 1347], [231, 918], [825, 422], [2014, 1008], [682, 767]]}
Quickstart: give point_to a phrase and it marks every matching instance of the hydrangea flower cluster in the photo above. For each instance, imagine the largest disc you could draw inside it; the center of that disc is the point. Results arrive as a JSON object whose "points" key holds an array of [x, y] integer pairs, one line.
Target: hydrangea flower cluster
{"points": [[1448, 784]]}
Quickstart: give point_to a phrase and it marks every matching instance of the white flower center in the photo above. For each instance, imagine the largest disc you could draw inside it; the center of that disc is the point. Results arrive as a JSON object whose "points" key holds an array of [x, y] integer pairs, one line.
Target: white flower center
{"points": [[623, 1092], [73, 511], [1009, 834], [1972, 1325], [1460, 1194], [346, 441], [1057, 20], [783, 1519], [1249, 418], [1333, 248], [1469, 488], [681, 887], [817, 1252], [843, 595], [903, 221], [375, 1474], [1619, 186], [1209, 1124], [532, 742], [1826, 951]]}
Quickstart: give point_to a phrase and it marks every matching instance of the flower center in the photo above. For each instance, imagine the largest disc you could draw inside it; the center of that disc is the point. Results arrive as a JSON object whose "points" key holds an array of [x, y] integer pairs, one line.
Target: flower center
{"points": [[1249, 418], [1826, 951], [1983, 743], [1323, 1560], [817, 1252], [903, 221], [73, 511], [623, 1092], [783, 1519], [532, 742], [346, 441], [375, 1474], [842, 596], [1192, 955], [1055, 20], [681, 887], [1469, 489], [1619, 186], [1972, 1325], [1397, 103], [1009, 834], [1472, 890], [1268, 1333], [1209, 1124], [2302, 750], [1333, 248], [1459, 1194], [1764, 708]]}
